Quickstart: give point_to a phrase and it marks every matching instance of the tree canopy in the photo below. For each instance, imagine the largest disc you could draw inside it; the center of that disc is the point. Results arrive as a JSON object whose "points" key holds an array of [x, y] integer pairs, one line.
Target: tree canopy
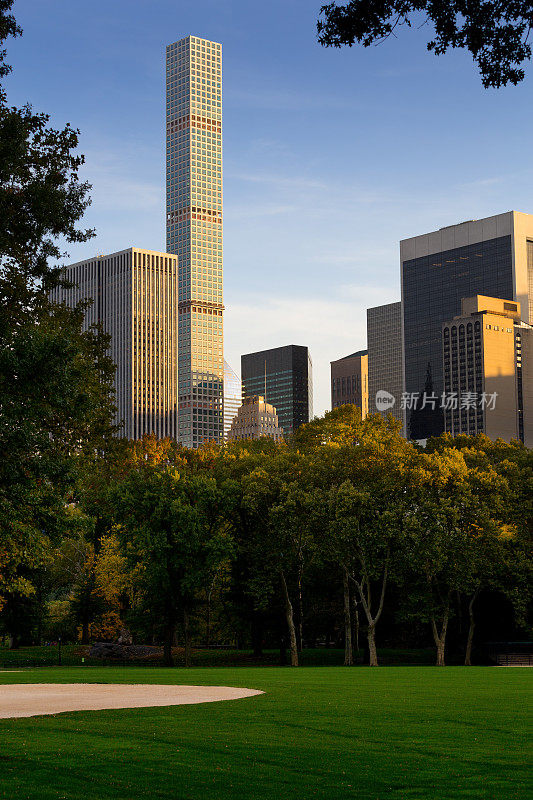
{"points": [[495, 32]]}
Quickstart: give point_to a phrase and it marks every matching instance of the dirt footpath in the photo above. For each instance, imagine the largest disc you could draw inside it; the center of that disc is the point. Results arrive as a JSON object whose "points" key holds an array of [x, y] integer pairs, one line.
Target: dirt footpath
{"points": [[34, 699]]}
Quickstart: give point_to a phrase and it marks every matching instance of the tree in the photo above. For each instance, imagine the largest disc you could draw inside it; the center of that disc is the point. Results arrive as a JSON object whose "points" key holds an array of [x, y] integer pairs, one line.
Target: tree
{"points": [[55, 379], [174, 534], [495, 32], [277, 508], [364, 510], [453, 538]]}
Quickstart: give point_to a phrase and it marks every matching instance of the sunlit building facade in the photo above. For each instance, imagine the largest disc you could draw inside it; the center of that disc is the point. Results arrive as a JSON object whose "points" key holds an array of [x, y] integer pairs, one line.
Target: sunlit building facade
{"points": [[255, 419], [349, 381], [232, 397], [194, 230], [488, 371], [134, 296], [491, 257]]}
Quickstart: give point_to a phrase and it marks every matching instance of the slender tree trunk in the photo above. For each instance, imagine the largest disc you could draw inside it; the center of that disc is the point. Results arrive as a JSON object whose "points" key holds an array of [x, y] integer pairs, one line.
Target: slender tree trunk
{"points": [[440, 638], [289, 616], [187, 635], [470, 640], [300, 613], [169, 641], [372, 620], [85, 627], [348, 649], [257, 634], [356, 622], [208, 621], [372, 651]]}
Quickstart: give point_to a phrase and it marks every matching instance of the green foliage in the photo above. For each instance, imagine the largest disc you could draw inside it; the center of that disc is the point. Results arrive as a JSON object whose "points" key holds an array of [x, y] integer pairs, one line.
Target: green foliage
{"points": [[55, 379], [495, 32]]}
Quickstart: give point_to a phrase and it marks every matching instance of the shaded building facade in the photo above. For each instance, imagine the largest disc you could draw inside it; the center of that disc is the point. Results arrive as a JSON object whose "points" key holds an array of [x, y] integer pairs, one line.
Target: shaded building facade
{"points": [[349, 381], [135, 298], [255, 419], [194, 230], [284, 377], [488, 373], [384, 339], [492, 257]]}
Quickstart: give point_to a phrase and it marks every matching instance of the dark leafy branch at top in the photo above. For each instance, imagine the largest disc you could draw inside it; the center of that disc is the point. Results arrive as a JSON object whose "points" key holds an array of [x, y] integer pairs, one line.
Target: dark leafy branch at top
{"points": [[495, 32]]}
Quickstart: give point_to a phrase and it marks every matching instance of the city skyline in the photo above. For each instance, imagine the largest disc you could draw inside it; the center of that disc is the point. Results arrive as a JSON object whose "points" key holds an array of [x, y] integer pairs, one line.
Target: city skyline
{"points": [[316, 204]]}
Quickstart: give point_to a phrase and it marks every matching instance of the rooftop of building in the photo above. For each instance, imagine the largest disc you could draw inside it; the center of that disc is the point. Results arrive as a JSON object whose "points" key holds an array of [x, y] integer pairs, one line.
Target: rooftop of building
{"points": [[352, 355]]}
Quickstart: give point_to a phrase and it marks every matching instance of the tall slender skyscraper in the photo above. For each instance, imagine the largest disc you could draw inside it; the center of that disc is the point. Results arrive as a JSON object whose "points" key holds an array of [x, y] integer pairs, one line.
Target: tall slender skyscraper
{"points": [[194, 230]]}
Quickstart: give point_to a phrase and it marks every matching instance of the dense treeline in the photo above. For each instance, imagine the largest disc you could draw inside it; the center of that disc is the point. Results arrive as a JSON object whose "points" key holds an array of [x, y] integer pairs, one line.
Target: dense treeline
{"points": [[346, 531]]}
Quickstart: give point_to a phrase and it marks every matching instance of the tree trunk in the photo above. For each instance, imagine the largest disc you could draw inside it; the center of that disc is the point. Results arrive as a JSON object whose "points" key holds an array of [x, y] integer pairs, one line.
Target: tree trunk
{"points": [[169, 641], [208, 622], [289, 616], [356, 623], [348, 649], [257, 634], [85, 628], [440, 638], [300, 614], [187, 635], [372, 651], [470, 640]]}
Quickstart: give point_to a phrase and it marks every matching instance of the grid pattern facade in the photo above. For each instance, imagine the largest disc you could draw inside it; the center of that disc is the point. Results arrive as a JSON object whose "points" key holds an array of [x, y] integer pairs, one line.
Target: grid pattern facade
{"points": [[384, 338], [483, 357], [194, 230], [284, 376], [232, 397], [529, 245], [134, 296], [349, 381], [255, 420], [432, 289]]}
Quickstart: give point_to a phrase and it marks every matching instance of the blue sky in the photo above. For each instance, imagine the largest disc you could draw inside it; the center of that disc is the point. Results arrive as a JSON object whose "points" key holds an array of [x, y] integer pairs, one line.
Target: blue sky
{"points": [[330, 156]]}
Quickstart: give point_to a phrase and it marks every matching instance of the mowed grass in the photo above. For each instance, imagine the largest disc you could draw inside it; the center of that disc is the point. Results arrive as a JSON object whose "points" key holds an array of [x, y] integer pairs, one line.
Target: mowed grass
{"points": [[320, 732]]}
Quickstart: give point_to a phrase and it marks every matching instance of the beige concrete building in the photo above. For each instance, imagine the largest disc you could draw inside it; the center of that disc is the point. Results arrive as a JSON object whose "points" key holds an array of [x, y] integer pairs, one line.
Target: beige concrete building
{"points": [[349, 381], [488, 371], [134, 295], [491, 257], [254, 420], [385, 378], [194, 230]]}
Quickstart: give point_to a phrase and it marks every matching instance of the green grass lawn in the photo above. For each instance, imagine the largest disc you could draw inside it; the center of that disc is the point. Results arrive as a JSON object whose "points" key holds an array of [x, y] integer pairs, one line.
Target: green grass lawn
{"points": [[320, 732]]}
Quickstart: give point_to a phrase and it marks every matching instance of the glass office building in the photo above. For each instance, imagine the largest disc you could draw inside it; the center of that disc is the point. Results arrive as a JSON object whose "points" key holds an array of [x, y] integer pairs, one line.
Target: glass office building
{"points": [[284, 377], [232, 397], [486, 257], [194, 231]]}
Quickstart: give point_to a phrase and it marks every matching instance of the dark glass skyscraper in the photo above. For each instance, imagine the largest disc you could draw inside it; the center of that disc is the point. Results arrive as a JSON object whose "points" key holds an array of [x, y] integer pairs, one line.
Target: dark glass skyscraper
{"points": [[439, 269], [284, 376]]}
